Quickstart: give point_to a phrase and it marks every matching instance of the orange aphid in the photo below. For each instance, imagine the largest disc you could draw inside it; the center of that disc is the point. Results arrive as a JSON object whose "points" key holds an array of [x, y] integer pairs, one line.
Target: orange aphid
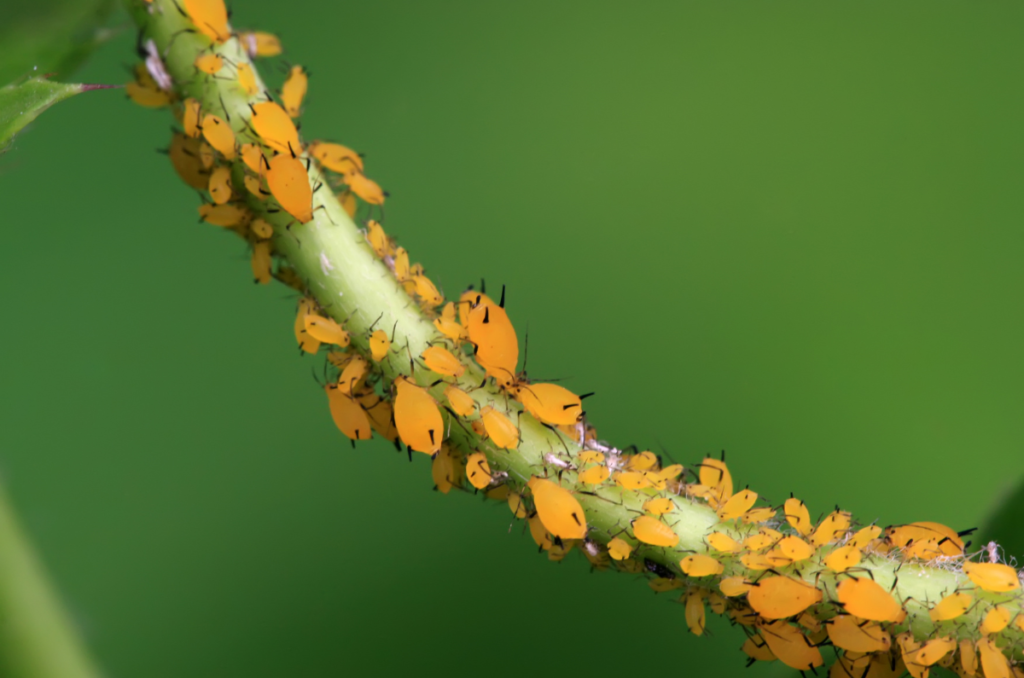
{"points": [[335, 157], [247, 79], [758, 650], [590, 457], [377, 238], [306, 342], [427, 291], [644, 461], [794, 549], [791, 646], [500, 428], [968, 657], [539, 532], [348, 415], [737, 505], [659, 506], [255, 187], [720, 541], [401, 264], [497, 346], [288, 180], [992, 576], [952, 606], [353, 373], [619, 549], [662, 584], [849, 633], [779, 597], [798, 516], [277, 130], [478, 470], [219, 135], [209, 63], [764, 538], [595, 475], [252, 156], [261, 262], [184, 155], [654, 532], [442, 470], [865, 536], [379, 345], [516, 505], [559, 511], [380, 413], [261, 229], [758, 515], [367, 189], [695, 615], [995, 620], [929, 653], [993, 662], [260, 44], [191, 115], [700, 565], [294, 91], [735, 586], [210, 17], [553, 404], [948, 541], [843, 558], [460, 401], [326, 330], [831, 527], [632, 480], [715, 482], [147, 95], [220, 185], [417, 418], [867, 600], [447, 325], [440, 360]]}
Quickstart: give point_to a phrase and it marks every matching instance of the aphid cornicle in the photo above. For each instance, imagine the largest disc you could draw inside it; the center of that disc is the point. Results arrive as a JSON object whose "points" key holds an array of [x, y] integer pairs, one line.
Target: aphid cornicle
{"points": [[294, 91], [559, 511], [419, 422], [288, 180], [210, 17]]}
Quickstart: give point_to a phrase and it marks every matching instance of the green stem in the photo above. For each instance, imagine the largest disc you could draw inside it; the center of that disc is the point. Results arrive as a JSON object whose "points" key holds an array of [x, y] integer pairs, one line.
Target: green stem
{"points": [[37, 639]]}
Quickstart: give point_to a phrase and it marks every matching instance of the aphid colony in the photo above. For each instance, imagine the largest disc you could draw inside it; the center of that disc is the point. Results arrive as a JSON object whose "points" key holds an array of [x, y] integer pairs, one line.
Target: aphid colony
{"points": [[794, 585]]}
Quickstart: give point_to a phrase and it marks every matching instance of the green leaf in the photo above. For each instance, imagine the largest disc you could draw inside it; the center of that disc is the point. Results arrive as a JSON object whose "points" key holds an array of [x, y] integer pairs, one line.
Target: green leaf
{"points": [[22, 102], [1005, 524]]}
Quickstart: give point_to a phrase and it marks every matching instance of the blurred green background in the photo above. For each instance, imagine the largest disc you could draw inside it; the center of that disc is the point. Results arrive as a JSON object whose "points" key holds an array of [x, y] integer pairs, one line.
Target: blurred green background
{"points": [[791, 230]]}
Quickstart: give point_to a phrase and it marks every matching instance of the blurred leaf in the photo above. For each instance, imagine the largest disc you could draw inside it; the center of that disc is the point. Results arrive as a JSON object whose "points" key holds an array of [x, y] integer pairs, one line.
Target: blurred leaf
{"points": [[1004, 524], [22, 102]]}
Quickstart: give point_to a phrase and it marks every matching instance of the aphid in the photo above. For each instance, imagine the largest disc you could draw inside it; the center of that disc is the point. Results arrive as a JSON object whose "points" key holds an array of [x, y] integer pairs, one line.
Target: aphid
{"points": [[367, 189], [247, 79], [722, 542], [737, 505], [755, 648], [994, 577], [700, 565], [849, 633], [968, 657], [184, 155], [335, 157], [442, 470], [440, 360], [865, 536], [715, 482], [416, 415], [255, 187], [590, 457], [478, 470], [735, 586], [695, 615], [306, 343], [220, 185], [348, 203], [427, 291], [660, 506], [379, 345], [843, 558], [952, 606], [261, 262], [401, 261], [995, 620], [447, 325], [294, 91], [376, 236], [500, 428], [790, 645], [654, 532], [326, 330], [833, 525], [260, 44], [209, 63], [190, 117], [764, 538], [348, 414], [559, 511], [948, 541], [206, 155], [619, 549], [994, 663], [261, 229], [867, 600], [632, 480], [288, 181], [219, 135], [663, 584], [353, 374], [553, 404], [595, 475], [794, 549], [758, 515], [643, 461], [798, 516], [539, 533], [224, 215], [670, 472], [210, 17], [779, 597], [274, 126], [380, 413], [149, 97], [252, 156], [929, 653], [460, 401], [516, 505]]}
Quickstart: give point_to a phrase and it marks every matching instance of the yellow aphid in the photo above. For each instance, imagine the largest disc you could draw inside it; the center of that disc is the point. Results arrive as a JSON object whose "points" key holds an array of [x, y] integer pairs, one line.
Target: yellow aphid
{"points": [[722, 542], [191, 116], [968, 657], [539, 532], [294, 91], [261, 262], [654, 532], [632, 480], [756, 562], [379, 345], [994, 663], [442, 470], [348, 203], [865, 536], [834, 524], [992, 576], [670, 472], [516, 505], [417, 418], [380, 412], [220, 185], [755, 648], [326, 330], [715, 475], [948, 541], [951, 607], [401, 263], [247, 79], [276, 129], [737, 505], [590, 457], [206, 154], [440, 360], [660, 506], [857, 635], [219, 135], [559, 511], [498, 493], [210, 17], [717, 602], [447, 325], [791, 646], [619, 549], [700, 565], [261, 229], [335, 157], [995, 620], [867, 600], [377, 238], [306, 343], [663, 584], [497, 346], [252, 156], [794, 549], [554, 404], [595, 475], [735, 586], [224, 215], [758, 515], [500, 428], [288, 180], [779, 597], [798, 516], [255, 187], [260, 44], [352, 375], [929, 653], [764, 538], [209, 63], [348, 415], [149, 97], [641, 462], [695, 616], [184, 155], [478, 471], [367, 189], [843, 558], [460, 401], [655, 480]]}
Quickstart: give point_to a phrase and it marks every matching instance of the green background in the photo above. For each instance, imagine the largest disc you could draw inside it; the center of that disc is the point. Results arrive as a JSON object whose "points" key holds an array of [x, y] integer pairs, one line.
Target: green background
{"points": [[790, 230]]}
